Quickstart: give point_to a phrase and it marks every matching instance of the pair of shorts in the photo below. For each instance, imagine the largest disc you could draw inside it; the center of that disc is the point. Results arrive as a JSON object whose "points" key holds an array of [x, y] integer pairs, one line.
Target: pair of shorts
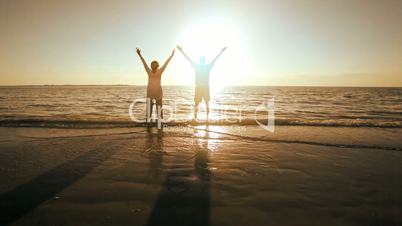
{"points": [[201, 92]]}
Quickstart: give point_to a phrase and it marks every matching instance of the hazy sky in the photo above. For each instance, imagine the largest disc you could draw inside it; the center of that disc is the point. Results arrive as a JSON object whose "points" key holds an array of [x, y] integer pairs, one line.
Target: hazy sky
{"points": [[305, 42]]}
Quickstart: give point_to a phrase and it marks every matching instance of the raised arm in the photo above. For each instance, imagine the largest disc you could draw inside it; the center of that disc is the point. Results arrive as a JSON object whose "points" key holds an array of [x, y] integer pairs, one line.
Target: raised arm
{"points": [[167, 62], [186, 56], [143, 61], [217, 56]]}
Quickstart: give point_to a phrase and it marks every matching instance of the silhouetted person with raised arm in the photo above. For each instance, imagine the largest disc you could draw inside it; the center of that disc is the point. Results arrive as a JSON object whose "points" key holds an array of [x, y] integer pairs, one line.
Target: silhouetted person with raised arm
{"points": [[154, 88], [202, 71]]}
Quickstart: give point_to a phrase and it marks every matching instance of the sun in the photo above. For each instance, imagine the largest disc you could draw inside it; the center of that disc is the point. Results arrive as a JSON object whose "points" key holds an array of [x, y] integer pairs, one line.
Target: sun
{"points": [[207, 38]]}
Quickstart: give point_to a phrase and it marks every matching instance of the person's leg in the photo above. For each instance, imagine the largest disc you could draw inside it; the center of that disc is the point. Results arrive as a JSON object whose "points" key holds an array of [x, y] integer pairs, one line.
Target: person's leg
{"points": [[159, 112], [207, 98], [197, 100], [207, 106], [196, 109], [148, 114], [159, 107], [159, 115], [151, 110]]}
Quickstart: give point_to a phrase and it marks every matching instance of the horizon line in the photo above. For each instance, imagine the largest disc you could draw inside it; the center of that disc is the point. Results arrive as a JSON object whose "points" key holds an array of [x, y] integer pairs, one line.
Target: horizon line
{"points": [[336, 86]]}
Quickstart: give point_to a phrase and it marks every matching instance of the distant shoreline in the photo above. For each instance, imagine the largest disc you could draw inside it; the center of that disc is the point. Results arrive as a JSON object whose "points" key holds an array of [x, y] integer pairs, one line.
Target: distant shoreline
{"points": [[125, 85]]}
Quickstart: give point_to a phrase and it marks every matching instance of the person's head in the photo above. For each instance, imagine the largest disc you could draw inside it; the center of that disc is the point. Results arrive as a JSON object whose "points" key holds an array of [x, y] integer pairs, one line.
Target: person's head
{"points": [[202, 60], [154, 65]]}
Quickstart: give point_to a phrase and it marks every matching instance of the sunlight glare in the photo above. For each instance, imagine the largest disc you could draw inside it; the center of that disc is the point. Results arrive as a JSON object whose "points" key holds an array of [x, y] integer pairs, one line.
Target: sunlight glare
{"points": [[207, 38]]}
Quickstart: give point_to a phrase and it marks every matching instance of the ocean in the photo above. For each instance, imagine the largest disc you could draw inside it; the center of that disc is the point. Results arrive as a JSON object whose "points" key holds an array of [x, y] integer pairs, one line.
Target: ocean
{"points": [[75, 106]]}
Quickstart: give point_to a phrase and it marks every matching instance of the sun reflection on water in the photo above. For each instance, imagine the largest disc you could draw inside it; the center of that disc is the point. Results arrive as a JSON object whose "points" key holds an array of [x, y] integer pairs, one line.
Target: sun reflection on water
{"points": [[208, 139]]}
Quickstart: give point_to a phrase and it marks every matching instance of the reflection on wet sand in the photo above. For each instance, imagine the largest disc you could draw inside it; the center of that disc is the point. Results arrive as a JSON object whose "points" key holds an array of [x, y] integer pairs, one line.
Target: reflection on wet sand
{"points": [[154, 149], [185, 196]]}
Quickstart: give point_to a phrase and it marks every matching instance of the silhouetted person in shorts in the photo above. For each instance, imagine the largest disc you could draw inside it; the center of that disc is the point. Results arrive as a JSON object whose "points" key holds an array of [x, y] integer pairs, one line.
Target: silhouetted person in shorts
{"points": [[202, 72], [154, 88]]}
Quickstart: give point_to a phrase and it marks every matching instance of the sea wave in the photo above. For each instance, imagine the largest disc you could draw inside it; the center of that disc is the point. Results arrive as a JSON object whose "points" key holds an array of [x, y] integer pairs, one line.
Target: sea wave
{"points": [[46, 123], [107, 106]]}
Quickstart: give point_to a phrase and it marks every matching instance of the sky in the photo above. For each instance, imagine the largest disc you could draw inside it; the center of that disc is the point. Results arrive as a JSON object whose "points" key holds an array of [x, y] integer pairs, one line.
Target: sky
{"points": [[270, 42]]}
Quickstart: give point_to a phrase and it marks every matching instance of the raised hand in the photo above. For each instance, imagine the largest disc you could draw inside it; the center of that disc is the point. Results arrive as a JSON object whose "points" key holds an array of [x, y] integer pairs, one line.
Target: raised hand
{"points": [[162, 69], [143, 60], [185, 55]]}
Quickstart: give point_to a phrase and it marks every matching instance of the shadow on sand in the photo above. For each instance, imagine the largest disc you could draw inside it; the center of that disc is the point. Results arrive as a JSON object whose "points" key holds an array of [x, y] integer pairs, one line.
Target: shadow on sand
{"points": [[21, 200], [185, 196]]}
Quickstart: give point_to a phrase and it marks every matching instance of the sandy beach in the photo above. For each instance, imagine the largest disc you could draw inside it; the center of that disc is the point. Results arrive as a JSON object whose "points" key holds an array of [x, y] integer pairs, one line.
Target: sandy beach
{"points": [[201, 175]]}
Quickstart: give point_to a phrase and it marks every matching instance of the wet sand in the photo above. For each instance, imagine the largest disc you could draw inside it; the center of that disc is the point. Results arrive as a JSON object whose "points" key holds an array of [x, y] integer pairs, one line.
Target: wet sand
{"points": [[201, 176]]}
